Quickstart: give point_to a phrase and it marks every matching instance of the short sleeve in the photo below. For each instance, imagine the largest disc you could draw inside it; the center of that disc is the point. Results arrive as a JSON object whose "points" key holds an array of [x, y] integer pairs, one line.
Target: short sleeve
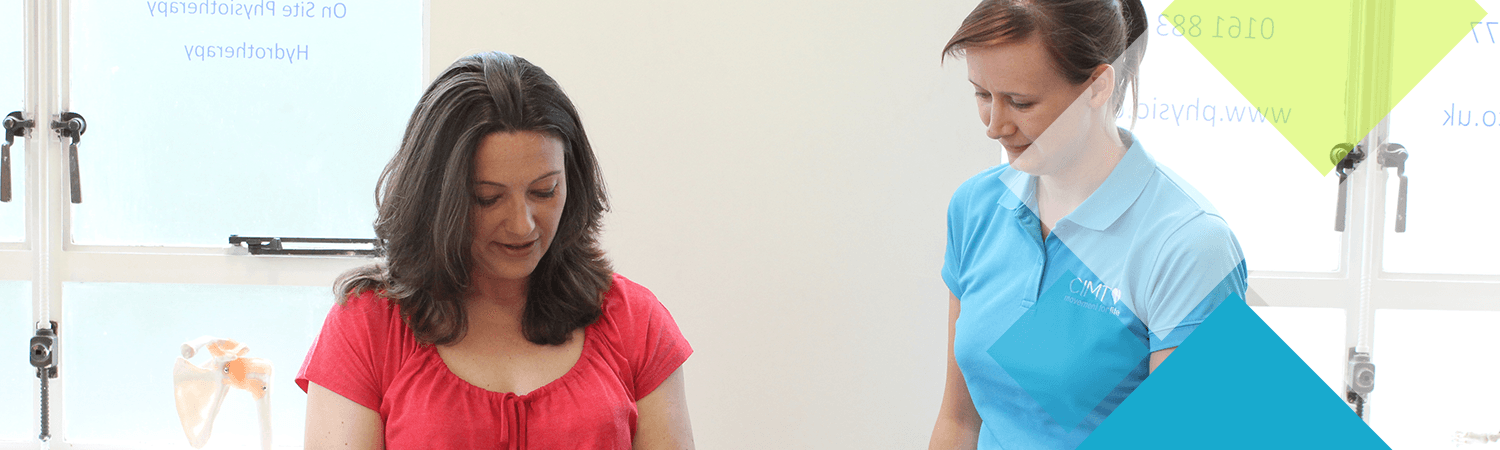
{"points": [[356, 352], [953, 256], [649, 338], [1199, 266]]}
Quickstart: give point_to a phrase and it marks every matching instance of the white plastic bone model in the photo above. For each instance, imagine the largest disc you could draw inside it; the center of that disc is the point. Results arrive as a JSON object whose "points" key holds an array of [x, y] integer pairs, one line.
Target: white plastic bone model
{"points": [[200, 390], [1474, 438]]}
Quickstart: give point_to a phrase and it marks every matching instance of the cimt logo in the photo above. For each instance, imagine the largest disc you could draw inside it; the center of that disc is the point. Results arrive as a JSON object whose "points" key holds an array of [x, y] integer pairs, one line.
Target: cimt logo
{"points": [[1096, 290]]}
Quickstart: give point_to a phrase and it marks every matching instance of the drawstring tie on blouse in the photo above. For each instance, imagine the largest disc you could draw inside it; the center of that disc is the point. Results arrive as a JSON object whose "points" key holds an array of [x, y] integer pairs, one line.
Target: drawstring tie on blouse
{"points": [[516, 426]]}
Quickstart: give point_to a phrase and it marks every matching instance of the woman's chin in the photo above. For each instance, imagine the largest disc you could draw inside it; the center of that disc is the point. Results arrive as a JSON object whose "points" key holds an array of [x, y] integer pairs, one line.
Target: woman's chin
{"points": [[507, 272], [1018, 161], [1014, 154]]}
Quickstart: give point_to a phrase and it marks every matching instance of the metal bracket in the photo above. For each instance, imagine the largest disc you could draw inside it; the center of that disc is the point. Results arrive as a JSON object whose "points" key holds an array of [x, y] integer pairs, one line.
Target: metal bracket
{"points": [[72, 127], [15, 125], [44, 350], [43, 356], [1359, 381], [273, 246], [1346, 157], [1394, 155]]}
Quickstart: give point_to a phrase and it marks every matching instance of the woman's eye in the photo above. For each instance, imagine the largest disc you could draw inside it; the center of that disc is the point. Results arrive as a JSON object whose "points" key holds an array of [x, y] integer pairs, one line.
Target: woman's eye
{"points": [[545, 194], [486, 201], [1020, 105], [982, 95]]}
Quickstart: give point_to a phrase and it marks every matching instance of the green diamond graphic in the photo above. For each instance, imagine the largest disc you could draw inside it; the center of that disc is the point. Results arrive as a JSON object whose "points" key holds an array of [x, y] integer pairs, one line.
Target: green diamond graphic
{"points": [[1324, 72]]}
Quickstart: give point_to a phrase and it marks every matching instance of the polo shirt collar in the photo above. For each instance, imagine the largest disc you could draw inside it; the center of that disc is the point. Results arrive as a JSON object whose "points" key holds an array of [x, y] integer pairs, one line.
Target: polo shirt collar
{"points": [[1120, 190], [1020, 189]]}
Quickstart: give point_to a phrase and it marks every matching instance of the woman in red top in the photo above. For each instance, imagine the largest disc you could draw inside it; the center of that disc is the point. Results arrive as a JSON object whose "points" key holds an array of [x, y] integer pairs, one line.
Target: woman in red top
{"points": [[494, 319]]}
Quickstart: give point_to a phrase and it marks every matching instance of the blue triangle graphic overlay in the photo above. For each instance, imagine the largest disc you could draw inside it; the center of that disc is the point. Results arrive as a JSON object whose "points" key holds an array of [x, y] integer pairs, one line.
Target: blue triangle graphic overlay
{"points": [[1069, 358], [1233, 384]]}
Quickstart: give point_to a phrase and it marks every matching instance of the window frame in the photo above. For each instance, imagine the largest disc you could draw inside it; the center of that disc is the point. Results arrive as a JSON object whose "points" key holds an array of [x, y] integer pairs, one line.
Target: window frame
{"points": [[1359, 259], [49, 221]]}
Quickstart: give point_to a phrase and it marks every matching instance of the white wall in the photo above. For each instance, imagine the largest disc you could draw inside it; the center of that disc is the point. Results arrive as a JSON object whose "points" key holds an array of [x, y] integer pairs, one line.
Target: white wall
{"points": [[780, 172]]}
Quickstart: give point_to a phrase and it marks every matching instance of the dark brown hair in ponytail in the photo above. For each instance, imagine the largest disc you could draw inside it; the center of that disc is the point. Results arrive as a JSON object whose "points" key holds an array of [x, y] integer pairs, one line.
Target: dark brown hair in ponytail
{"points": [[424, 198], [1079, 34]]}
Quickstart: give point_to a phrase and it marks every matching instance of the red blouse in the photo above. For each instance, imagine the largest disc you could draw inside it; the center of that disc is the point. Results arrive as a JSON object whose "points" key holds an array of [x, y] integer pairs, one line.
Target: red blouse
{"points": [[368, 355]]}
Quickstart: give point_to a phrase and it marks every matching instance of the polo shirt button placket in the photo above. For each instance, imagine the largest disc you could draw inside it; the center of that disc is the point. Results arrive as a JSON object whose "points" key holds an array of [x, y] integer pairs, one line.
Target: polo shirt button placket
{"points": [[1036, 281], [1034, 224]]}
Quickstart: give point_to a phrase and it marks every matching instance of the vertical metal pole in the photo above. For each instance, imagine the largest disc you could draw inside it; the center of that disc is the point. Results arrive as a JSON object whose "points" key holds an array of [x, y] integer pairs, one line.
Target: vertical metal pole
{"points": [[1369, 81], [41, 79], [35, 148]]}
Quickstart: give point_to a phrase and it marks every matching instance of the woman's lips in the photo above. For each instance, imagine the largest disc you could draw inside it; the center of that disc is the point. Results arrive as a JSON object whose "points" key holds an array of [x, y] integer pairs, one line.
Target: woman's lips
{"points": [[523, 249], [1015, 152]]}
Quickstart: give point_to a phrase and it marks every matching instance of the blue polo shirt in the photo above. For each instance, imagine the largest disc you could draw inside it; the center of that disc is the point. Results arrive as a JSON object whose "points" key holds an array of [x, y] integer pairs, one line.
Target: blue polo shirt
{"points": [[1054, 333]]}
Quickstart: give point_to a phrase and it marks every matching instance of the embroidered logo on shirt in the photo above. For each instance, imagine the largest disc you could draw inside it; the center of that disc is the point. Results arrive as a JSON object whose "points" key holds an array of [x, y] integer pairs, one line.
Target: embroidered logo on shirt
{"points": [[1108, 298]]}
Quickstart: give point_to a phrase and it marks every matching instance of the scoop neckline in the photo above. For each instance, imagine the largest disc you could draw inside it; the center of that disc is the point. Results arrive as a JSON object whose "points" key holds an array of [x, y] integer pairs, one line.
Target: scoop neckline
{"points": [[588, 344]]}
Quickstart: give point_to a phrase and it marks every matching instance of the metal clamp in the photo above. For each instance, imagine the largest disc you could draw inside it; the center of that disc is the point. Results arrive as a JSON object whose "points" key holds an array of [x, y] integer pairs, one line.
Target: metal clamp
{"points": [[1394, 155], [72, 126], [1359, 381], [15, 126], [44, 358], [1345, 156]]}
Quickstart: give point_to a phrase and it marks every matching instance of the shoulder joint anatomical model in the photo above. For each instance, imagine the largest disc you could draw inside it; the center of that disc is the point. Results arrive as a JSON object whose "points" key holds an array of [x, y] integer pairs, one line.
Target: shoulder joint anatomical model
{"points": [[200, 390]]}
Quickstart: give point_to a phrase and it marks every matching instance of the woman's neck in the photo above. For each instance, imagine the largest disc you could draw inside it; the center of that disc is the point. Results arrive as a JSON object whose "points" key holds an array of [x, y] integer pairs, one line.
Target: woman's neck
{"points": [[1059, 193], [496, 295]]}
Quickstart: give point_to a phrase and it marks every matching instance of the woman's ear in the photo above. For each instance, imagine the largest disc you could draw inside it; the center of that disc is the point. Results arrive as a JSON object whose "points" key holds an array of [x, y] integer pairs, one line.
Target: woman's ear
{"points": [[1103, 87]]}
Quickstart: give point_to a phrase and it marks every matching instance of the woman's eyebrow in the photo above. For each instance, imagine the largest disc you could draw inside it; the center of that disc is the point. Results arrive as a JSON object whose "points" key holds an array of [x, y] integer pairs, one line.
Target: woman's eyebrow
{"points": [[497, 184], [555, 172], [1012, 94]]}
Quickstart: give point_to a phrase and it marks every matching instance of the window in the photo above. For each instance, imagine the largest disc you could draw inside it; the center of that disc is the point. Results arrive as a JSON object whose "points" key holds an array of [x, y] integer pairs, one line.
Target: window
{"points": [[209, 121], [256, 124], [1433, 288], [127, 334], [12, 213], [1436, 377], [1442, 124], [16, 415]]}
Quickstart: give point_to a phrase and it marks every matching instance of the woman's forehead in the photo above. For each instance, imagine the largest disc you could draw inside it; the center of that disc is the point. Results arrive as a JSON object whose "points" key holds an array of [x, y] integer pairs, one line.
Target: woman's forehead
{"points": [[517, 157], [1023, 65]]}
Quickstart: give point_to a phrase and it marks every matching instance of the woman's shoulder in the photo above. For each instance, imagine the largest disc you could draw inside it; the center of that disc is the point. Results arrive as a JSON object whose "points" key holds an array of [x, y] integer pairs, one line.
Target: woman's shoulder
{"points": [[363, 340], [367, 310], [1172, 195], [1182, 213], [630, 311], [626, 299], [1198, 241], [365, 302], [640, 335]]}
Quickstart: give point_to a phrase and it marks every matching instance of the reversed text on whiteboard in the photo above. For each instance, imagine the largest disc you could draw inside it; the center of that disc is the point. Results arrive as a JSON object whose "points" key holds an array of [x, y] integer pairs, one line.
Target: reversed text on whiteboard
{"points": [[248, 10], [246, 51]]}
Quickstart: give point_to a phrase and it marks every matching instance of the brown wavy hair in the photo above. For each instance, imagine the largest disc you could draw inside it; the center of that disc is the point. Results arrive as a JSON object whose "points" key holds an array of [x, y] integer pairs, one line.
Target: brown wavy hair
{"points": [[1079, 34], [424, 198]]}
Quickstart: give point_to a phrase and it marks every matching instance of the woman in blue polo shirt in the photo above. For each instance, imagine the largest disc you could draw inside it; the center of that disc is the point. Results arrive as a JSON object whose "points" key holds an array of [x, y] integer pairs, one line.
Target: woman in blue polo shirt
{"points": [[1075, 269]]}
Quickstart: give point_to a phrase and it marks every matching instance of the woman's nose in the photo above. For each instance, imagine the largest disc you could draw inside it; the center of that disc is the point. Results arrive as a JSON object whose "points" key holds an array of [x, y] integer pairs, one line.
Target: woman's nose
{"points": [[518, 220], [1000, 124]]}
